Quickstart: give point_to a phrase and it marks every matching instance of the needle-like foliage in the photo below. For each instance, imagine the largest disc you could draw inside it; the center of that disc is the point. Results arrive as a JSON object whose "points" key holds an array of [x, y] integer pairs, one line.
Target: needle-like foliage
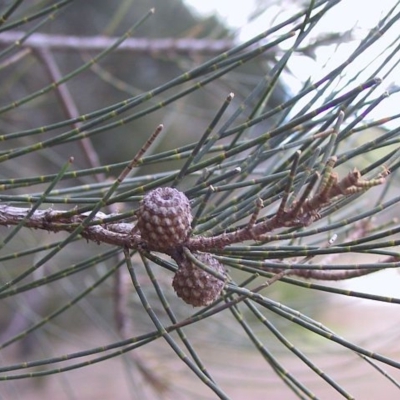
{"points": [[259, 208]]}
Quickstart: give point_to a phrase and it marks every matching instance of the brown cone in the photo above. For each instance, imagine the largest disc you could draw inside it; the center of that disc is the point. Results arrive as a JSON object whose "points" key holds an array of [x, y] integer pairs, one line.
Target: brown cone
{"points": [[196, 286], [164, 219]]}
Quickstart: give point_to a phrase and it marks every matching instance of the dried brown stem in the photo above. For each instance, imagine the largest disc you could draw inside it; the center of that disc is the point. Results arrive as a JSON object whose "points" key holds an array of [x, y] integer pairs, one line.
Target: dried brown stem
{"points": [[53, 221], [301, 213]]}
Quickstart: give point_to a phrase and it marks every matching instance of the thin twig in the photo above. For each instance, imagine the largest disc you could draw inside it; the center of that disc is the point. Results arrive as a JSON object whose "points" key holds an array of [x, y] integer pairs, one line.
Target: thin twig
{"points": [[69, 106], [136, 45]]}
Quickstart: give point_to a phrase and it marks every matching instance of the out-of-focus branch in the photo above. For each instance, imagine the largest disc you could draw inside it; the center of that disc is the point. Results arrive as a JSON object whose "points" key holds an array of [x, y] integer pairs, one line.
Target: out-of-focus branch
{"points": [[136, 45], [69, 106], [332, 38]]}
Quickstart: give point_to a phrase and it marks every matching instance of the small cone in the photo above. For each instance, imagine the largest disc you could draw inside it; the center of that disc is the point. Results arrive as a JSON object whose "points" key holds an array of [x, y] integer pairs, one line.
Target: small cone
{"points": [[164, 219], [196, 286]]}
